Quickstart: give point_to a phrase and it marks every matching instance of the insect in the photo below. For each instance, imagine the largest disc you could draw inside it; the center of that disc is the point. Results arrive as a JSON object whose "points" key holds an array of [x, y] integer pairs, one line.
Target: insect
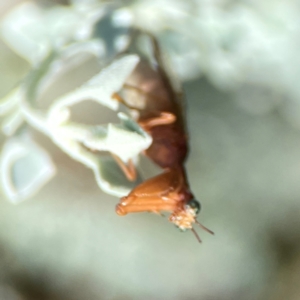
{"points": [[149, 93]]}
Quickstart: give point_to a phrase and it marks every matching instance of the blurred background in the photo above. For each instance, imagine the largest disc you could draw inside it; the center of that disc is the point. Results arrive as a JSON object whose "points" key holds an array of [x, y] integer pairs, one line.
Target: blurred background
{"points": [[239, 64]]}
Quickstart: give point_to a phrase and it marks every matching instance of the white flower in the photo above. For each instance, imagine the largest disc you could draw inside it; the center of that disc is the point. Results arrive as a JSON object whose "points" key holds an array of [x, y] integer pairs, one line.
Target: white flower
{"points": [[25, 168], [126, 139]]}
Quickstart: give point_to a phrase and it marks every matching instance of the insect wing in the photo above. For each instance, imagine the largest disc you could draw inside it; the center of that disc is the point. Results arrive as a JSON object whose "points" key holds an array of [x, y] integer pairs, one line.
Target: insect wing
{"points": [[171, 82], [157, 186]]}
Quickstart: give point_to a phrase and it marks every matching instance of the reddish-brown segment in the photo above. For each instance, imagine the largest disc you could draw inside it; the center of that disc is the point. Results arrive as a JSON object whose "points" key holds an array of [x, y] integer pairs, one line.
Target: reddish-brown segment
{"points": [[149, 92]]}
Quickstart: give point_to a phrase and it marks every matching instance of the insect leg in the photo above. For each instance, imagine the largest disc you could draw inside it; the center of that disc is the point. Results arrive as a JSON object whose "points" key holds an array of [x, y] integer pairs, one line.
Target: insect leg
{"points": [[117, 97], [164, 118], [129, 169]]}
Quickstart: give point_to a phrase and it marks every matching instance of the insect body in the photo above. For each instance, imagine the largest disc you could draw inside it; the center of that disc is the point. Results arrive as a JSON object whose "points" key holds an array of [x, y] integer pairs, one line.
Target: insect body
{"points": [[160, 113]]}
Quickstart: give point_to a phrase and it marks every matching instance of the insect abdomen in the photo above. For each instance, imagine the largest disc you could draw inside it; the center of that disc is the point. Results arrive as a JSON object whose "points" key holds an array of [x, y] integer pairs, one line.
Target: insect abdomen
{"points": [[169, 147]]}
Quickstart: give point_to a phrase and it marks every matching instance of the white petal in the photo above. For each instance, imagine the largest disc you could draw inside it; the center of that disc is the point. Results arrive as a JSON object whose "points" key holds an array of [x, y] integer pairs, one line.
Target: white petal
{"points": [[25, 168], [100, 88]]}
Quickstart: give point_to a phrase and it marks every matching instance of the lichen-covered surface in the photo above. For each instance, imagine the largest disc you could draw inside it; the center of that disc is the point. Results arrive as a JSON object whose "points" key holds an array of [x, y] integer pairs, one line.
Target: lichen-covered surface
{"points": [[67, 243]]}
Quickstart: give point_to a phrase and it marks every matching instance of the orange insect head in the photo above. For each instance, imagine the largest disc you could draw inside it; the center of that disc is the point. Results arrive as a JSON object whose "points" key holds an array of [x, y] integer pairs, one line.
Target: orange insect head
{"points": [[183, 211], [186, 217]]}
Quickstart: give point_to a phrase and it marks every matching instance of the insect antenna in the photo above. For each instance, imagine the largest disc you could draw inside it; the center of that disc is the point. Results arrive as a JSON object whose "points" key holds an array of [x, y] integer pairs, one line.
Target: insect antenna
{"points": [[205, 228], [196, 235]]}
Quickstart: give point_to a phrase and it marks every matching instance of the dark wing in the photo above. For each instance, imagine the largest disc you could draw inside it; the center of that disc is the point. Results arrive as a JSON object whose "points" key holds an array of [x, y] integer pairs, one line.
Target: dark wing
{"points": [[159, 62], [172, 84]]}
